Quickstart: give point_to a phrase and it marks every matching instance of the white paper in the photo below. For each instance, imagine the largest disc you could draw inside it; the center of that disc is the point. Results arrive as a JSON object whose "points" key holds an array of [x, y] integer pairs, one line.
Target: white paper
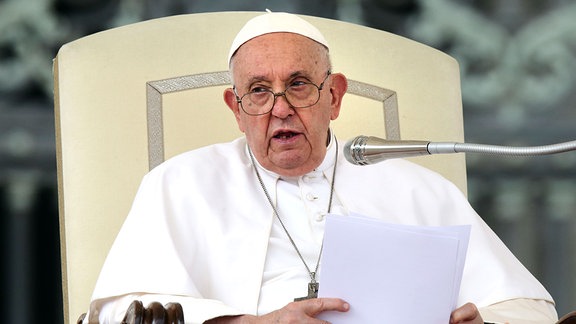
{"points": [[391, 273]]}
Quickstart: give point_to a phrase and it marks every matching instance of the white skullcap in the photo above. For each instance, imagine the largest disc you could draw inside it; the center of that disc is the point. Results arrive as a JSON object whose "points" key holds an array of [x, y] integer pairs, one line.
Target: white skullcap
{"points": [[275, 22]]}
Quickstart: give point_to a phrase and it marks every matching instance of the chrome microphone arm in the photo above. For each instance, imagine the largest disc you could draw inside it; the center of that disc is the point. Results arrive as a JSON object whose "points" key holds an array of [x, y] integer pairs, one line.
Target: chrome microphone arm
{"points": [[364, 150], [440, 148]]}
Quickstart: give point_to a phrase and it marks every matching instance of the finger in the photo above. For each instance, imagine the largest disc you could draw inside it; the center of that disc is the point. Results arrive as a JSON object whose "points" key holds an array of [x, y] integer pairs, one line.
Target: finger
{"points": [[466, 312], [317, 305]]}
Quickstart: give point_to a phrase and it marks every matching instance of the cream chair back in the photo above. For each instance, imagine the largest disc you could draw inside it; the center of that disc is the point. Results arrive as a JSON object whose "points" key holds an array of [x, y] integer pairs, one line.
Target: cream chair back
{"points": [[128, 98]]}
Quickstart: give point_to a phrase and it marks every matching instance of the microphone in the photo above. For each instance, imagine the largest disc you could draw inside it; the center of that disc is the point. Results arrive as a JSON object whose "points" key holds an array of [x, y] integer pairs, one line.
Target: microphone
{"points": [[364, 150]]}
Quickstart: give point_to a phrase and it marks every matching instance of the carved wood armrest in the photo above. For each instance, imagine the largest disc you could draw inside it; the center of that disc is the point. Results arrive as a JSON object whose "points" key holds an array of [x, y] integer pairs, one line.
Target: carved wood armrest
{"points": [[154, 313], [569, 318]]}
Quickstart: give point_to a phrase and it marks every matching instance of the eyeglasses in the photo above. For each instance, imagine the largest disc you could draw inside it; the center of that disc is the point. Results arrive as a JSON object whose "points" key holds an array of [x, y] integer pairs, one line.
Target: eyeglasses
{"points": [[299, 94]]}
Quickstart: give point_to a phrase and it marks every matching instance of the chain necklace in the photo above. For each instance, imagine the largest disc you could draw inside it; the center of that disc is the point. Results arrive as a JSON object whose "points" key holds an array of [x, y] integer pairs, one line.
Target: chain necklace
{"points": [[313, 285]]}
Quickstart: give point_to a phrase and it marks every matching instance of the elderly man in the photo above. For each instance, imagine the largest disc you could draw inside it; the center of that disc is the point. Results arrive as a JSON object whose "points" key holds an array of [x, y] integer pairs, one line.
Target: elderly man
{"points": [[237, 239]]}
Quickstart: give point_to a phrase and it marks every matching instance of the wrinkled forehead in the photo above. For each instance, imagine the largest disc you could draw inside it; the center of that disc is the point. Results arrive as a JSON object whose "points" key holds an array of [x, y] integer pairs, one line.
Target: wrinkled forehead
{"points": [[275, 22], [280, 56]]}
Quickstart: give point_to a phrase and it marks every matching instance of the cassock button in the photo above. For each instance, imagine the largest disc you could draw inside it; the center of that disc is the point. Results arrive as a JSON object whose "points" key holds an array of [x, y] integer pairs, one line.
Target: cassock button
{"points": [[309, 178], [310, 196]]}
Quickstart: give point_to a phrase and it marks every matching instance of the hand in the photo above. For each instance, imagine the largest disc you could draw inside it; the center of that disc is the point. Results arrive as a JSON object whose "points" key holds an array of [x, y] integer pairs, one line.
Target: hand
{"points": [[466, 314], [304, 311]]}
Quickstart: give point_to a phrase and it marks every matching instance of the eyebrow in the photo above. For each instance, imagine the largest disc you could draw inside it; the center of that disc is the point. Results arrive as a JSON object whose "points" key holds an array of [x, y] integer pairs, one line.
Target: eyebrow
{"points": [[294, 74]]}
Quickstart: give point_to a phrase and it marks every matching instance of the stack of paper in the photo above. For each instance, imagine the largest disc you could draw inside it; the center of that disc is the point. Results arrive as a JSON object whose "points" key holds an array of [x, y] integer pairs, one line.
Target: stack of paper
{"points": [[392, 273]]}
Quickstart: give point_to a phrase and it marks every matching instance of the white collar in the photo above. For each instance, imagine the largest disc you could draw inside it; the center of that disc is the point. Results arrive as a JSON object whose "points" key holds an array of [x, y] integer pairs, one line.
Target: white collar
{"points": [[325, 166]]}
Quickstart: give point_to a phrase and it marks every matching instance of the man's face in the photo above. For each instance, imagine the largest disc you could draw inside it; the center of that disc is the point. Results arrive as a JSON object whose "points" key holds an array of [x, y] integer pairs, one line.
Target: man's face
{"points": [[289, 141]]}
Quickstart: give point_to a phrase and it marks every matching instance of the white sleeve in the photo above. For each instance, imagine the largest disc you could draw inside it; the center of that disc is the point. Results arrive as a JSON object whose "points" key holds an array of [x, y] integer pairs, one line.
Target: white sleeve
{"points": [[149, 263], [520, 311]]}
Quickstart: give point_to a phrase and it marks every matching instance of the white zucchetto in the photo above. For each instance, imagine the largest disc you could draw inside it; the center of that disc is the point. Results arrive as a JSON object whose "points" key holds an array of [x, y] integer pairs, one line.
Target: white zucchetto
{"points": [[275, 22]]}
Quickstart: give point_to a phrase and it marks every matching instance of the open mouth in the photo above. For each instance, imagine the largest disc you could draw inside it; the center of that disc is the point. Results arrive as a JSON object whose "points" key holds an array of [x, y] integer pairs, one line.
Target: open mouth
{"points": [[285, 135]]}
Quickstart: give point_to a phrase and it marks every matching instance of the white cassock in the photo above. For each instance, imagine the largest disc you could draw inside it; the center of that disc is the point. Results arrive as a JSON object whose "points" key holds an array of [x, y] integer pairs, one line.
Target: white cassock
{"points": [[202, 233]]}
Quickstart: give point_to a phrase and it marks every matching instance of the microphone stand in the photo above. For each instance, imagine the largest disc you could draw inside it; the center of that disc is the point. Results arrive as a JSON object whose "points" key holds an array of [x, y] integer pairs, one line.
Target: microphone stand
{"points": [[364, 150]]}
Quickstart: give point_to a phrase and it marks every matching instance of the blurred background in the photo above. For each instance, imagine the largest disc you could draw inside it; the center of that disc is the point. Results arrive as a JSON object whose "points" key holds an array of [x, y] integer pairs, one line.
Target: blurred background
{"points": [[518, 66]]}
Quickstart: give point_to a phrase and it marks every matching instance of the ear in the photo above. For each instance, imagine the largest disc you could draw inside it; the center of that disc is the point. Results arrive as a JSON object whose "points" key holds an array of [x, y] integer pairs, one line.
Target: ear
{"points": [[230, 99], [338, 87]]}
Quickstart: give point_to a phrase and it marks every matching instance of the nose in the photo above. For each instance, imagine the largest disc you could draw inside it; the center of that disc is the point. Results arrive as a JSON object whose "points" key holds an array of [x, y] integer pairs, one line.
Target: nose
{"points": [[281, 107]]}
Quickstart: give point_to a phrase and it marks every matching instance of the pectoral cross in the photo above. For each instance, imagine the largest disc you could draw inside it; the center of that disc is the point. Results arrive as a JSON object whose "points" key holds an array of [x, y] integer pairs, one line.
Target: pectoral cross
{"points": [[312, 289]]}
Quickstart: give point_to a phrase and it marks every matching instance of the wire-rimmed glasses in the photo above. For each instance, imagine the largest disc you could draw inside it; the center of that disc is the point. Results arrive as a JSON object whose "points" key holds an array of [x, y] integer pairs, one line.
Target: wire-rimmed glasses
{"points": [[299, 94]]}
